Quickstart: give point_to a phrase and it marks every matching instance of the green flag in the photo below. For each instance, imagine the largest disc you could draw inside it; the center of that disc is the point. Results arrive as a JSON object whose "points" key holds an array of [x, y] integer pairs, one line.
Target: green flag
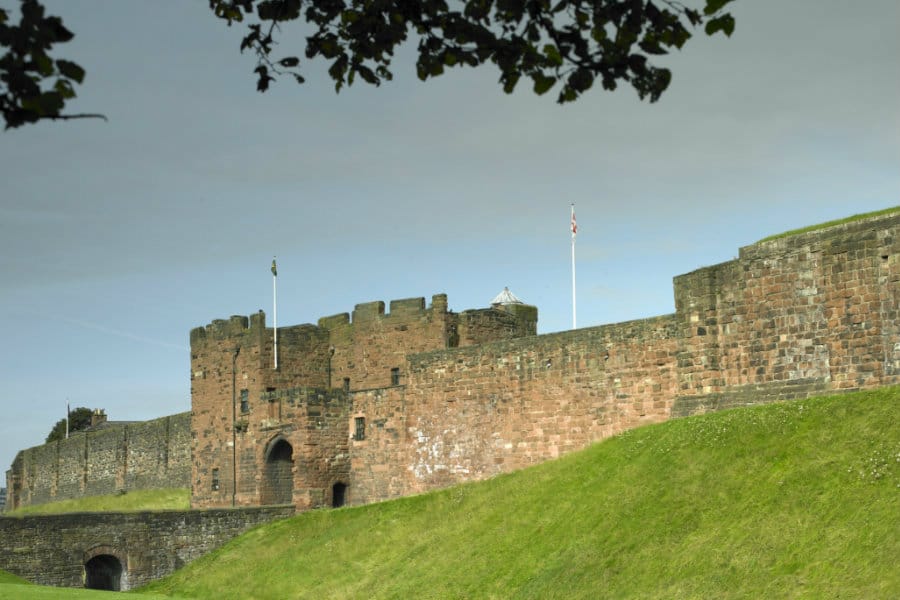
{"points": [[274, 270]]}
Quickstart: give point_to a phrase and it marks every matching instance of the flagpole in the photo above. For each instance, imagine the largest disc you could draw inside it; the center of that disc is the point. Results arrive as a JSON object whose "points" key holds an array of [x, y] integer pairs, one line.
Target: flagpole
{"points": [[68, 412], [574, 231], [275, 309]]}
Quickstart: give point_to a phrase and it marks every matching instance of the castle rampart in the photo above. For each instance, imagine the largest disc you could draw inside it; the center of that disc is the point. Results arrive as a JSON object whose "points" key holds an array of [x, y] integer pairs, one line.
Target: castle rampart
{"points": [[150, 454], [807, 314], [474, 412], [371, 405]]}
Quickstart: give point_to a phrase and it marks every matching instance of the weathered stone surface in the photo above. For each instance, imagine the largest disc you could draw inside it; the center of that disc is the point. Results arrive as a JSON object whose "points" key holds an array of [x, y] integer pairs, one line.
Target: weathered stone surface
{"points": [[385, 404], [480, 394], [145, 455], [306, 402], [53, 550]]}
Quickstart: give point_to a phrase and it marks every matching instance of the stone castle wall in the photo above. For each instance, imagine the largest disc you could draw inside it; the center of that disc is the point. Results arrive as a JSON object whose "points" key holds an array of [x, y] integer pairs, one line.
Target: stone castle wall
{"points": [[377, 404], [242, 406], [53, 549], [475, 412], [150, 454], [807, 314]]}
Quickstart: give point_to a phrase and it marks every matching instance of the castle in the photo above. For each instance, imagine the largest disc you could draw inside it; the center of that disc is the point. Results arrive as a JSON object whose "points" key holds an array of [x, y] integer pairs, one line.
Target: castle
{"points": [[385, 403]]}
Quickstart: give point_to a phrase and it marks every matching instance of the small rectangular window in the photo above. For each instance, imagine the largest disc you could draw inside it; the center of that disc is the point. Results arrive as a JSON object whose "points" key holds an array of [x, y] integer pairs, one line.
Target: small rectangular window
{"points": [[346, 384], [245, 401], [360, 433], [395, 376], [215, 479]]}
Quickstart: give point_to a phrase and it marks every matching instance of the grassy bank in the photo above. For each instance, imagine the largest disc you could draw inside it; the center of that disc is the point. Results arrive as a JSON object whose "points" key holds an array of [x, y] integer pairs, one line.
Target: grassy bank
{"points": [[138, 500], [37, 592], [858, 217], [10, 578], [786, 500]]}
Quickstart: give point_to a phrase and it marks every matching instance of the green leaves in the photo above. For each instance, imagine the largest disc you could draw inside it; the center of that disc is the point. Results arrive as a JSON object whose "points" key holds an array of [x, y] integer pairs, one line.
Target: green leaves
{"points": [[34, 86], [71, 70], [553, 55], [572, 42], [542, 83], [725, 24], [263, 78], [46, 103]]}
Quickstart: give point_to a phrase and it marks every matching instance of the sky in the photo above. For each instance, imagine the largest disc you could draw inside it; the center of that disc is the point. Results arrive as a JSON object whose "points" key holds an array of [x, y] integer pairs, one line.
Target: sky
{"points": [[117, 238]]}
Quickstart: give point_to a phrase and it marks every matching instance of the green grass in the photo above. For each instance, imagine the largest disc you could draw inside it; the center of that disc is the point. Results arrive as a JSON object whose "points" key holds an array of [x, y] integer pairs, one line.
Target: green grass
{"points": [[39, 592], [788, 500], [850, 219], [6, 578], [134, 501]]}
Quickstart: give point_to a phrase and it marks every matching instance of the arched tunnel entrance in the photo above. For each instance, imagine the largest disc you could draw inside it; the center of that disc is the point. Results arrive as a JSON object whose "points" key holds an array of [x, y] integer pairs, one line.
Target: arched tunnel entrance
{"points": [[103, 572], [278, 486]]}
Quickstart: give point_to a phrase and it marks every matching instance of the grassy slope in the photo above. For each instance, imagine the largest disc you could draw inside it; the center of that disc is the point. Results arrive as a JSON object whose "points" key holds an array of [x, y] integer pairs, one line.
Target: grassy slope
{"points": [[138, 500], [876, 213], [787, 500], [10, 578], [38, 592]]}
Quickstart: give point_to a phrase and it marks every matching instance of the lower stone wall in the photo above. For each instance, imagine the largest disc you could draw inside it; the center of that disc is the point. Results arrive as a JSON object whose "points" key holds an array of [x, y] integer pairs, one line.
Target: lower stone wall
{"points": [[53, 550], [146, 455], [749, 395]]}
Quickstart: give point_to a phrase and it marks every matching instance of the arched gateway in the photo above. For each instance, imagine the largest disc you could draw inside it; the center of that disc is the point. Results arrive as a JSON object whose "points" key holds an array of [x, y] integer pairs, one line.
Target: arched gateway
{"points": [[278, 478], [103, 570]]}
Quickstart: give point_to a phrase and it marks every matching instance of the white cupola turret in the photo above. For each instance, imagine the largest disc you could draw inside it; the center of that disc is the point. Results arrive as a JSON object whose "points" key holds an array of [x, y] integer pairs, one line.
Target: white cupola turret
{"points": [[505, 298]]}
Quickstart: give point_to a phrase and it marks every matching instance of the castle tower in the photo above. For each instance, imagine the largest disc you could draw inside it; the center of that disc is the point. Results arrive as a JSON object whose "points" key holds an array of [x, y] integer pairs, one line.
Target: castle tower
{"points": [[262, 435]]}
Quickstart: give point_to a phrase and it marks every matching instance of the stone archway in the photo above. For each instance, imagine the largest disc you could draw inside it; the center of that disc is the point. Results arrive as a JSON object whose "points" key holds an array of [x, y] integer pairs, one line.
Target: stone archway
{"points": [[104, 570], [278, 473]]}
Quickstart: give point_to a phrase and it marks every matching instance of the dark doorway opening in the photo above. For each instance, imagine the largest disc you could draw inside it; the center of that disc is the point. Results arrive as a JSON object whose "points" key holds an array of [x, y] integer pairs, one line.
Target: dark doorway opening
{"points": [[278, 487], [103, 572], [338, 495]]}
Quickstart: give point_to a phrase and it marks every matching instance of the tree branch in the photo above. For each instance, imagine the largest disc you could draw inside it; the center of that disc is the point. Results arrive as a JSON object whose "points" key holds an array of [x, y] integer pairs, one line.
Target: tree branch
{"points": [[76, 116]]}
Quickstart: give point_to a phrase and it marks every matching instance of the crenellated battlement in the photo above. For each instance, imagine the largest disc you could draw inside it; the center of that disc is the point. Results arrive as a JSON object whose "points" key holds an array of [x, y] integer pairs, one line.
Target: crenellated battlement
{"points": [[235, 377], [363, 313], [398, 398], [402, 308], [235, 325]]}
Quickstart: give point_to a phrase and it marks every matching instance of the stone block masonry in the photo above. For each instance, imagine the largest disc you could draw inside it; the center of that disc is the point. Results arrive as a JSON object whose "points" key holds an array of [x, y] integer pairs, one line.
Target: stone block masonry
{"points": [[476, 412], [257, 429], [124, 550], [144, 455], [377, 403], [807, 314]]}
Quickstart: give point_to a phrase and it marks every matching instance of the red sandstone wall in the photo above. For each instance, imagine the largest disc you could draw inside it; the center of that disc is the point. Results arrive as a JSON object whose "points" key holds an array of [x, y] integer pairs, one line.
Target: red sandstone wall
{"points": [[377, 467], [810, 313], [474, 412], [366, 349], [230, 443], [486, 325], [308, 356], [214, 386], [813, 312]]}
